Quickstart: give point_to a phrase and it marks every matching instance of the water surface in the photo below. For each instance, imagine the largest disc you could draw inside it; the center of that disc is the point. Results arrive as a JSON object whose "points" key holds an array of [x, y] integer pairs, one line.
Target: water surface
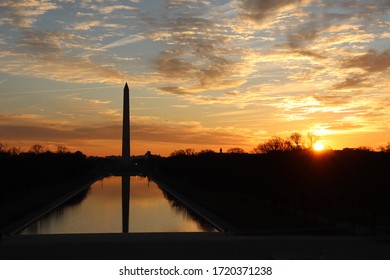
{"points": [[111, 206]]}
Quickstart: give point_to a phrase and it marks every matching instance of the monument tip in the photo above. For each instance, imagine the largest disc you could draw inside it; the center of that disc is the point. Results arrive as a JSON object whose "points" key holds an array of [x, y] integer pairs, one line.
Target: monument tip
{"points": [[126, 86]]}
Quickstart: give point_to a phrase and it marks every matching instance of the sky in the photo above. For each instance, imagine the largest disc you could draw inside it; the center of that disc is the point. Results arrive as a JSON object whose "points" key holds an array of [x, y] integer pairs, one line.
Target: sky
{"points": [[202, 74]]}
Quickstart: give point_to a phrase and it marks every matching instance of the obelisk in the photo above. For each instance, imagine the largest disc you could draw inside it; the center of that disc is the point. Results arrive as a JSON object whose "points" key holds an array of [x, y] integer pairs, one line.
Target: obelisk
{"points": [[126, 125]]}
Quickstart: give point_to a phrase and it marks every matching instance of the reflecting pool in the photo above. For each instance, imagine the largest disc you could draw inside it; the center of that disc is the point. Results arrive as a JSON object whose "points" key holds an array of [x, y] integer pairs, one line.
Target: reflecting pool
{"points": [[120, 204]]}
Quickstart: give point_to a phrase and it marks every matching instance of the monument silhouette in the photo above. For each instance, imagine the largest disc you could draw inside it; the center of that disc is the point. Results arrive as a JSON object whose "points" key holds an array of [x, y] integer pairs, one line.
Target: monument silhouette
{"points": [[126, 159], [126, 125]]}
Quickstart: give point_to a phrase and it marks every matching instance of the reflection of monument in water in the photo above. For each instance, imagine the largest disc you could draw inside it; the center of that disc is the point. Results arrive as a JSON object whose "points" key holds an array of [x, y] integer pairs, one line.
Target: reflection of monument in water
{"points": [[125, 202], [126, 159]]}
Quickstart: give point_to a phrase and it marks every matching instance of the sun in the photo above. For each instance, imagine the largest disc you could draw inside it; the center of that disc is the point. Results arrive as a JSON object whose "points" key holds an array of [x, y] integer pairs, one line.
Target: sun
{"points": [[318, 147]]}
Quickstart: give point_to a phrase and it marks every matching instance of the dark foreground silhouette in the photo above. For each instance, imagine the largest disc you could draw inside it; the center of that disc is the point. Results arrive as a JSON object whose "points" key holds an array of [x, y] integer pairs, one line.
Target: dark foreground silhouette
{"points": [[295, 204], [333, 192], [30, 181]]}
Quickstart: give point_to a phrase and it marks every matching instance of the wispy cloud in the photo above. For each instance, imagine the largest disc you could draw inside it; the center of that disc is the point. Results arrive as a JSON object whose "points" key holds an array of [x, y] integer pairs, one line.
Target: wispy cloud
{"points": [[372, 61], [260, 11], [24, 13], [43, 54], [154, 130], [86, 25], [124, 41], [203, 59], [94, 101], [112, 8]]}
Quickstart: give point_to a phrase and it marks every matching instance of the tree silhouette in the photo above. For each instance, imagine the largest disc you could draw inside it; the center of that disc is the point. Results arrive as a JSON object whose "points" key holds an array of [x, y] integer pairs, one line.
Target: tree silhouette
{"points": [[62, 149], [206, 152], [38, 149], [186, 152], [235, 151], [189, 152], [276, 143], [385, 149], [294, 142], [177, 153], [13, 151], [296, 139], [312, 139], [3, 148]]}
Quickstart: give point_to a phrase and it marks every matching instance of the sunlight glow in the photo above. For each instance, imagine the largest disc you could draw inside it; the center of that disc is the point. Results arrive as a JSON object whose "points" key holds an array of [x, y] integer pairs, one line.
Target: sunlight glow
{"points": [[318, 147]]}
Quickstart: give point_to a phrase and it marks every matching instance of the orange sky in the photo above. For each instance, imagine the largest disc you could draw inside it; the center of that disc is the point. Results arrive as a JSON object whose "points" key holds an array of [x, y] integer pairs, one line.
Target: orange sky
{"points": [[202, 74]]}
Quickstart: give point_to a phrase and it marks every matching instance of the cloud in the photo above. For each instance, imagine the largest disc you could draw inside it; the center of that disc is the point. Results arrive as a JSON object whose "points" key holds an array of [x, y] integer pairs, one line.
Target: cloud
{"points": [[67, 69], [47, 44], [113, 113], [301, 38], [43, 54], [124, 41], [145, 129], [23, 13], [86, 25], [372, 61], [112, 8], [89, 24], [94, 101], [200, 56], [371, 67], [316, 32], [106, 16], [334, 100], [233, 98], [260, 11], [33, 120], [357, 81], [189, 133], [175, 4], [173, 67], [175, 90], [33, 133]]}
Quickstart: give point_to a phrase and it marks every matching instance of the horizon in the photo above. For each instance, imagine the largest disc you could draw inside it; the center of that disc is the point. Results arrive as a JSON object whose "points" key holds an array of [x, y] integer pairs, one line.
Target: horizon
{"points": [[16, 151], [202, 75]]}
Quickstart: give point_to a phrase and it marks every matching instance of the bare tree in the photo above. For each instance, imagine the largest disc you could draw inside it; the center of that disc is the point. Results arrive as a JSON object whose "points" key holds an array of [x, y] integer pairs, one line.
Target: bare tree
{"points": [[189, 152], [38, 149], [274, 144], [296, 139], [385, 149], [14, 151], [62, 149], [186, 152], [3, 148], [177, 153], [206, 152], [312, 139], [235, 151]]}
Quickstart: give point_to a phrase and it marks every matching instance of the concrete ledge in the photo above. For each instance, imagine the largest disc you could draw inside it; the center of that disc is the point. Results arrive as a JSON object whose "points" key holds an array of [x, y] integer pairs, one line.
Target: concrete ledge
{"points": [[150, 246]]}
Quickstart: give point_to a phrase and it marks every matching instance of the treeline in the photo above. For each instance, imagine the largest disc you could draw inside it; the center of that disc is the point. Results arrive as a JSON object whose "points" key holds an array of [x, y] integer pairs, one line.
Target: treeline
{"points": [[32, 179], [347, 188], [295, 142], [5, 150], [40, 168], [191, 152]]}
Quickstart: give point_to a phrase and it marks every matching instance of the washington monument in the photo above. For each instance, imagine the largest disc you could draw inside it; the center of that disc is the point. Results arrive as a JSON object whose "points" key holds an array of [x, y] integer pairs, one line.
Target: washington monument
{"points": [[126, 125]]}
